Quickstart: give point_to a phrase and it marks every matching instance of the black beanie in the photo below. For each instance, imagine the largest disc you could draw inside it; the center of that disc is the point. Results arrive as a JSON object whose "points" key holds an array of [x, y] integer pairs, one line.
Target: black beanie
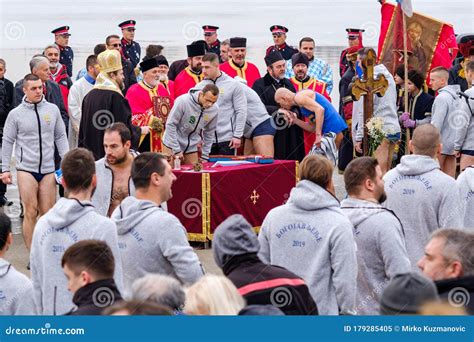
{"points": [[416, 78]]}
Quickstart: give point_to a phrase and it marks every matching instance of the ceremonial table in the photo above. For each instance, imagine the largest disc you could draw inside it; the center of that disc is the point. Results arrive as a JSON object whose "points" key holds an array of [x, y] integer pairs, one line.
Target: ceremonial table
{"points": [[202, 200]]}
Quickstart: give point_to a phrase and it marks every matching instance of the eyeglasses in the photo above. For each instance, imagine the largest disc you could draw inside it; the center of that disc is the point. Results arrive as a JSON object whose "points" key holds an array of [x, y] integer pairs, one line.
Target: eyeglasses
{"points": [[116, 45], [276, 35], [208, 34], [130, 29]]}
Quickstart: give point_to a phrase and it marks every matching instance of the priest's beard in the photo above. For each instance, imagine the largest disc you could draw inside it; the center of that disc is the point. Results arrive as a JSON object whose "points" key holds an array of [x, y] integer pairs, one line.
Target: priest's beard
{"points": [[163, 78]]}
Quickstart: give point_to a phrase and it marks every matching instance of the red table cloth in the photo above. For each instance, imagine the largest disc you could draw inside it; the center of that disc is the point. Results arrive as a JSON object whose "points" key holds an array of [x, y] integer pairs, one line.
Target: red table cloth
{"points": [[202, 200]]}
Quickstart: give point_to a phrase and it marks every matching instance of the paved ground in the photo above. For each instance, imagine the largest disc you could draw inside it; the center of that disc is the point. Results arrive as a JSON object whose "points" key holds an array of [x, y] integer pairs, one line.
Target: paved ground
{"points": [[18, 254]]}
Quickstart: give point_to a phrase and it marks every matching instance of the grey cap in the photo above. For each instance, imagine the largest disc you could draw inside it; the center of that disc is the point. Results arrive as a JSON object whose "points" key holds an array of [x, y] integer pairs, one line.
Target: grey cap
{"points": [[234, 236], [406, 293]]}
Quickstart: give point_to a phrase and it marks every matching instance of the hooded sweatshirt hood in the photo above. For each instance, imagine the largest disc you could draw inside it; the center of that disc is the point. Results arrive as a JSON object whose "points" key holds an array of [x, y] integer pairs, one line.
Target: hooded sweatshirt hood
{"points": [[415, 164], [469, 177], [233, 237], [132, 212], [4, 267], [67, 211], [360, 210], [308, 196], [452, 90]]}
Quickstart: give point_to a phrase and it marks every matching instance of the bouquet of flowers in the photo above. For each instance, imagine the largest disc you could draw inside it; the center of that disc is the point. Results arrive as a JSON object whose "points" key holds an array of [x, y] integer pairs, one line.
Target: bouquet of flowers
{"points": [[375, 133]]}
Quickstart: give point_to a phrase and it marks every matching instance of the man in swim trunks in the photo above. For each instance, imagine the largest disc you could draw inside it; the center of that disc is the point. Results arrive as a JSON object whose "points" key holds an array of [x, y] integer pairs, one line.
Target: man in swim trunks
{"points": [[36, 127], [323, 117]]}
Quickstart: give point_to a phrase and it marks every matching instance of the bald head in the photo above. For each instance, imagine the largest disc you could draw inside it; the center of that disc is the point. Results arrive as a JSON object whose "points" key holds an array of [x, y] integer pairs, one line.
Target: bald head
{"points": [[426, 140], [285, 98]]}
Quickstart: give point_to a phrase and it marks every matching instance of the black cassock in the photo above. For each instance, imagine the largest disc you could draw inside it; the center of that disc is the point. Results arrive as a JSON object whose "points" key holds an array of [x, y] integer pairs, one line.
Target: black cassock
{"points": [[100, 109], [289, 141]]}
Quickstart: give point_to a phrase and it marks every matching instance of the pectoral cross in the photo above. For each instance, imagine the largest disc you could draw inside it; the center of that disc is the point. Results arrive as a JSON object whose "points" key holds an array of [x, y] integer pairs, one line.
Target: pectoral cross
{"points": [[254, 197], [367, 87]]}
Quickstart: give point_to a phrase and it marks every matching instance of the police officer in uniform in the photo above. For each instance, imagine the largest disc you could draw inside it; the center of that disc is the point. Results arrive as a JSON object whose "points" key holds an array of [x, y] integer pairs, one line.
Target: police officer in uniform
{"points": [[354, 38], [279, 38], [131, 50], [61, 38], [210, 36]]}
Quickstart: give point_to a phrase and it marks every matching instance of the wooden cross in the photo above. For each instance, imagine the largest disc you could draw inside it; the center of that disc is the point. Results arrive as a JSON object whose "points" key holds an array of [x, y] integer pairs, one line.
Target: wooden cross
{"points": [[254, 197], [367, 87]]}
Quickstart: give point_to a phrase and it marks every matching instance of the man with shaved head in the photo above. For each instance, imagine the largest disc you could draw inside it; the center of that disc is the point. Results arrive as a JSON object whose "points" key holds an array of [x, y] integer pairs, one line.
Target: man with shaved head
{"points": [[422, 196], [323, 117]]}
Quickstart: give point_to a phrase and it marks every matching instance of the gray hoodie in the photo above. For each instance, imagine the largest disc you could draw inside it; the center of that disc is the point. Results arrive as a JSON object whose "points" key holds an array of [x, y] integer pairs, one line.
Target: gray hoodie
{"points": [[381, 251], [384, 107], [256, 111], [465, 183], [103, 191], [465, 132], [68, 222], [444, 116], [232, 108], [16, 292], [311, 237], [35, 128], [152, 240], [424, 199], [186, 122]]}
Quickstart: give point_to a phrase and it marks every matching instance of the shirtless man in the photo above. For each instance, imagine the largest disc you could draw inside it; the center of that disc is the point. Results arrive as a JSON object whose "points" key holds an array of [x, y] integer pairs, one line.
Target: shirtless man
{"points": [[114, 170], [323, 117]]}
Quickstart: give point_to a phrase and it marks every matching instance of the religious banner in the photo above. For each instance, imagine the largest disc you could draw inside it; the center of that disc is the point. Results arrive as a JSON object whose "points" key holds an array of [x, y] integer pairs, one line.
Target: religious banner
{"points": [[430, 42]]}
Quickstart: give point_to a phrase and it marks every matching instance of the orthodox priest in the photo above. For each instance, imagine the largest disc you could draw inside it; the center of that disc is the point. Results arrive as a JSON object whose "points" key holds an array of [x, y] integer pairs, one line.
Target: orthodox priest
{"points": [[192, 74], [288, 141], [237, 65], [105, 105], [149, 107]]}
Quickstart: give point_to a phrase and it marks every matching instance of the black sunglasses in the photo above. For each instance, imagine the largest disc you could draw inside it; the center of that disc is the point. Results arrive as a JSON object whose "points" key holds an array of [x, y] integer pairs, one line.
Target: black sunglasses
{"points": [[117, 45]]}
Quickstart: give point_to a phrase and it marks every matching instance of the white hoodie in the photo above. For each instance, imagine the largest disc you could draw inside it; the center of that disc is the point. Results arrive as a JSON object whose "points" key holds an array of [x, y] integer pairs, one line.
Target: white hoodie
{"points": [[424, 199], [68, 222]]}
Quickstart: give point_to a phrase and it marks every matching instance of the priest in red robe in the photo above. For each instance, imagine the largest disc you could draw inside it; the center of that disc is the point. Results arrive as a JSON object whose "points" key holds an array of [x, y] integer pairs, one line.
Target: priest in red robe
{"points": [[166, 86], [143, 98], [192, 74], [237, 65]]}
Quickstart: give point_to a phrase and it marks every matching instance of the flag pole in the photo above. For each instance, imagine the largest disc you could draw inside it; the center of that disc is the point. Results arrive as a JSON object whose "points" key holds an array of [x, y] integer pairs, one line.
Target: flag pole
{"points": [[405, 92]]}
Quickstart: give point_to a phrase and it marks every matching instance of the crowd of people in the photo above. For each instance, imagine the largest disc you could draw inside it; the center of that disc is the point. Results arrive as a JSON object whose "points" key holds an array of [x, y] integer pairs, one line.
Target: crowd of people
{"points": [[400, 242]]}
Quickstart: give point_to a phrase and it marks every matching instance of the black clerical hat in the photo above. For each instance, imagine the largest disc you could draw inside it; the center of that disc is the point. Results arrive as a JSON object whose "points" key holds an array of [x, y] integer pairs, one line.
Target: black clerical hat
{"points": [[238, 42], [196, 49], [273, 57], [299, 58]]}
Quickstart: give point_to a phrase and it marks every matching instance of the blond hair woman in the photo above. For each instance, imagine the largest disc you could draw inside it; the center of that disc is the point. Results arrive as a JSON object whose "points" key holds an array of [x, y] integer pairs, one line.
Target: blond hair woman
{"points": [[213, 295]]}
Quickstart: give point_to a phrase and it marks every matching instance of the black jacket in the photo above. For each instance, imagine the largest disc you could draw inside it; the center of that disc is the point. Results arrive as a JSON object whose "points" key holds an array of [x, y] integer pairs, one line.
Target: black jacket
{"points": [[288, 141], [53, 95], [176, 67], [6, 101], [454, 77], [93, 298], [458, 291], [101, 108], [129, 75], [254, 279]]}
